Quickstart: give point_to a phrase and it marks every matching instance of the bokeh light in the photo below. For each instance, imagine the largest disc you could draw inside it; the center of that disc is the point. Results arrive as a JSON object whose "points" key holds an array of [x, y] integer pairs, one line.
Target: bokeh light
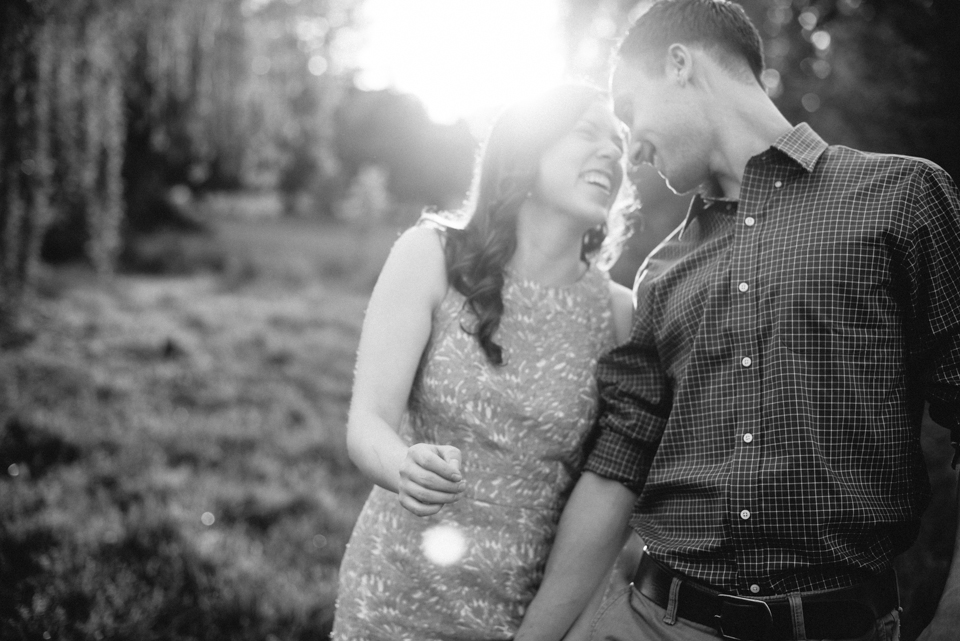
{"points": [[444, 544], [821, 68], [317, 65], [771, 80], [810, 102], [461, 58], [821, 40], [808, 19], [848, 7]]}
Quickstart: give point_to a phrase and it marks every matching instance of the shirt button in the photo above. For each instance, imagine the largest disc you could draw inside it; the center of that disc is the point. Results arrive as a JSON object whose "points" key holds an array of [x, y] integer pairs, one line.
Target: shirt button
{"points": [[747, 361], [745, 514], [743, 287], [749, 221], [748, 438], [754, 588], [778, 184]]}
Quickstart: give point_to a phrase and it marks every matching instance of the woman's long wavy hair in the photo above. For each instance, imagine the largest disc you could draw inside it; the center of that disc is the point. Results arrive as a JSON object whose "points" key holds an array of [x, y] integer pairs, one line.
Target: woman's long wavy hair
{"points": [[477, 253]]}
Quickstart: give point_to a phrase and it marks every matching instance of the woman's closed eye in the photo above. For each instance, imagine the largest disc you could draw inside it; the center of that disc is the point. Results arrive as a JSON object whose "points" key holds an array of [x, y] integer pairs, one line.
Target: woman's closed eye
{"points": [[588, 132]]}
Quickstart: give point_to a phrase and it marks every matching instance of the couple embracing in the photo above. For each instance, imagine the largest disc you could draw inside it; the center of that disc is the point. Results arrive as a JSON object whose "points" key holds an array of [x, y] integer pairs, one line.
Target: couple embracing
{"points": [[750, 411]]}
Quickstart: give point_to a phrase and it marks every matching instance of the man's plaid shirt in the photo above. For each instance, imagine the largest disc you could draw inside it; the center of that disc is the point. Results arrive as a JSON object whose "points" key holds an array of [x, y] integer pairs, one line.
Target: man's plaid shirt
{"points": [[768, 403]]}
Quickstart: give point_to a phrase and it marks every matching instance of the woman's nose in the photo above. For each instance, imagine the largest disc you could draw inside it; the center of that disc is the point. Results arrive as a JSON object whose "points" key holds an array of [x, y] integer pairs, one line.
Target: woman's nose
{"points": [[610, 150]]}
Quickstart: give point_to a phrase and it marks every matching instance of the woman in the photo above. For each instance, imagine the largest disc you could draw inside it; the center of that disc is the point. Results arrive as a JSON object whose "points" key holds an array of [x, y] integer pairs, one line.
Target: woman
{"points": [[474, 389]]}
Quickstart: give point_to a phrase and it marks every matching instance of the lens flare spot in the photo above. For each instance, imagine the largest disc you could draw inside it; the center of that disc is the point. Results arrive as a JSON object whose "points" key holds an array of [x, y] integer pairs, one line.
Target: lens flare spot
{"points": [[444, 544]]}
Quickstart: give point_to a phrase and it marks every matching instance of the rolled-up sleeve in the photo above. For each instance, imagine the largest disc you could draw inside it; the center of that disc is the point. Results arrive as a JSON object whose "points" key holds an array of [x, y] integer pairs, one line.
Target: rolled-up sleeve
{"points": [[933, 279], [635, 401]]}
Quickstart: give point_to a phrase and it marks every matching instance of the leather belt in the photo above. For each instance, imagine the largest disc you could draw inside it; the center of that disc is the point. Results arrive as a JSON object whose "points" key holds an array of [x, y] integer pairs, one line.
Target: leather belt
{"points": [[841, 613]]}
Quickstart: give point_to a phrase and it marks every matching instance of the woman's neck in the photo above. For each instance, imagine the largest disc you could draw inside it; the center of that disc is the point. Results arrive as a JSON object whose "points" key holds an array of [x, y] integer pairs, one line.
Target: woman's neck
{"points": [[548, 247]]}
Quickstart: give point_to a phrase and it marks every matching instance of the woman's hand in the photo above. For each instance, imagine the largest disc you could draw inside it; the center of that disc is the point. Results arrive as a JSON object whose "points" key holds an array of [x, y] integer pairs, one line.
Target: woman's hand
{"points": [[430, 478]]}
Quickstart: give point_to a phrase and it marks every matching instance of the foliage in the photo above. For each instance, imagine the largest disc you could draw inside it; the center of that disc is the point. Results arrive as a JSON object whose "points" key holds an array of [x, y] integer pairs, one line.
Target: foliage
{"points": [[873, 74], [426, 163], [185, 90], [368, 200], [295, 81], [113, 102], [26, 80], [172, 456]]}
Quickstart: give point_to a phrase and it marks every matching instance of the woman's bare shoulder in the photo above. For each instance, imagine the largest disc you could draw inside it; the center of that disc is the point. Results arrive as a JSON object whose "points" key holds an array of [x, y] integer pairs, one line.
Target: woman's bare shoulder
{"points": [[417, 259]]}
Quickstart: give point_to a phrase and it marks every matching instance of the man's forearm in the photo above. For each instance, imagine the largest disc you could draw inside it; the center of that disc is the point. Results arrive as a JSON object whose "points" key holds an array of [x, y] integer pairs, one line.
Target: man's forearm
{"points": [[589, 538]]}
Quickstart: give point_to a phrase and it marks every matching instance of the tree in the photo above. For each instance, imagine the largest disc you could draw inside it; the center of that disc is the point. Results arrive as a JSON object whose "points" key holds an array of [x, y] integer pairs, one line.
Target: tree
{"points": [[877, 75], [108, 103], [428, 164], [61, 136]]}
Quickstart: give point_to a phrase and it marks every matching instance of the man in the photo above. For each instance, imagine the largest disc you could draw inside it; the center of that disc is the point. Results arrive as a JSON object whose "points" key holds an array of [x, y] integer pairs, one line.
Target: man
{"points": [[764, 416]]}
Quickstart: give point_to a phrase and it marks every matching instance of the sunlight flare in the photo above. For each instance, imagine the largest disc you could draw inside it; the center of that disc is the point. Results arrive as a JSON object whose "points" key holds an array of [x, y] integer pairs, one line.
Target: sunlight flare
{"points": [[444, 544], [461, 57]]}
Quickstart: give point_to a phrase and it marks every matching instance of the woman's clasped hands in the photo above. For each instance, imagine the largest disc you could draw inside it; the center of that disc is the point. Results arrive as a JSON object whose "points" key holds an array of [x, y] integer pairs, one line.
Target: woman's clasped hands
{"points": [[430, 478]]}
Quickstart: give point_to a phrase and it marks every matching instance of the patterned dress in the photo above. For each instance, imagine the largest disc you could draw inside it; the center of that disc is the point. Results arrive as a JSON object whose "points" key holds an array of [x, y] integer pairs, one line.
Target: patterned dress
{"points": [[469, 571]]}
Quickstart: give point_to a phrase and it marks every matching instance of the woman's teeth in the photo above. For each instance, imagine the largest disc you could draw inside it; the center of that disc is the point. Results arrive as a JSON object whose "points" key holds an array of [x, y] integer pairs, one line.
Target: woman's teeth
{"points": [[598, 178]]}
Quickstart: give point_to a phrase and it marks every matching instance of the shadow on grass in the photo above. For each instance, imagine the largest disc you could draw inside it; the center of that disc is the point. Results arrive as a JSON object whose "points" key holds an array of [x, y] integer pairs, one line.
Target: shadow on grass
{"points": [[148, 585], [35, 448], [172, 457], [261, 515]]}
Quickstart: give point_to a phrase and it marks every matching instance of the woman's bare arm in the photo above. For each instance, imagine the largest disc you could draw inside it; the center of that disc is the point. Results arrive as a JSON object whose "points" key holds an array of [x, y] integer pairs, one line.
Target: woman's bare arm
{"points": [[395, 333]]}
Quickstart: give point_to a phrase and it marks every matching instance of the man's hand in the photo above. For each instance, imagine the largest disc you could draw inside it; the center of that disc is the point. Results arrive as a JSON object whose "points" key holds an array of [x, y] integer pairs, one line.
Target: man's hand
{"points": [[430, 478]]}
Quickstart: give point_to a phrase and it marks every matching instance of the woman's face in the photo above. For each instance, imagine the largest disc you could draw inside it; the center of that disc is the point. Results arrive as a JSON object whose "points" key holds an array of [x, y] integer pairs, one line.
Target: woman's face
{"points": [[580, 174]]}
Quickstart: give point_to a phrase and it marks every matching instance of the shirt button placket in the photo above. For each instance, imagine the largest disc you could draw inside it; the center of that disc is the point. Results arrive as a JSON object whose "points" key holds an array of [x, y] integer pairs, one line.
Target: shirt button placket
{"points": [[743, 481]]}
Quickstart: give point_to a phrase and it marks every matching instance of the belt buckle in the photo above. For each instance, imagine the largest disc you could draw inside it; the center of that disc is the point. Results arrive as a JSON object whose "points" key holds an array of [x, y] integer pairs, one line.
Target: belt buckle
{"points": [[743, 619]]}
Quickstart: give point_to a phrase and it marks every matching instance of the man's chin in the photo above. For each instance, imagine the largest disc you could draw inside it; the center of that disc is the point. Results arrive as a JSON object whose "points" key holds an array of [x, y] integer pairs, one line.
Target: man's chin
{"points": [[678, 187]]}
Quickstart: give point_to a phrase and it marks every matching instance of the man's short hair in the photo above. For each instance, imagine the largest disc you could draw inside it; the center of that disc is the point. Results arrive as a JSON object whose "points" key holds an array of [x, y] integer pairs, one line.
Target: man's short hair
{"points": [[720, 27]]}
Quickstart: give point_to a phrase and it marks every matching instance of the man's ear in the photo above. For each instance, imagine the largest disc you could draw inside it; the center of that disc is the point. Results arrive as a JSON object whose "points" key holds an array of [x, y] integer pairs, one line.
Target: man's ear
{"points": [[679, 63]]}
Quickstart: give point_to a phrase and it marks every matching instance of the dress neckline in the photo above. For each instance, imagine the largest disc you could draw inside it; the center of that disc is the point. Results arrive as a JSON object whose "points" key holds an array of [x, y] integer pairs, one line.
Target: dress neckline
{"points": [[583, 278]]}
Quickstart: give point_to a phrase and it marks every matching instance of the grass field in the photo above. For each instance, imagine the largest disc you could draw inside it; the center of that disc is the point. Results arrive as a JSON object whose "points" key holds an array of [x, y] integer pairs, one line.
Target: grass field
{"points": [[172, 461], [172, 448]]}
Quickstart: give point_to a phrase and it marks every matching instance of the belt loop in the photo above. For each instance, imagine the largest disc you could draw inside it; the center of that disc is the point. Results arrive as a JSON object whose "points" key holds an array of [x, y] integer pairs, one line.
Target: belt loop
{"points": [[796, 616], [671, 615]]}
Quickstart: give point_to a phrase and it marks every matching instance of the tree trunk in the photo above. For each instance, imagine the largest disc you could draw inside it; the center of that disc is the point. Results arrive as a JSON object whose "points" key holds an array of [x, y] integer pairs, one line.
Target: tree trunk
{"points": [[25, 90]]}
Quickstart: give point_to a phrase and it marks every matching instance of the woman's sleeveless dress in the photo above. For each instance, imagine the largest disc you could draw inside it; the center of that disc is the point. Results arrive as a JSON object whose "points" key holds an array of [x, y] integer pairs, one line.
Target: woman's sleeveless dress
{"points": [[469, 571]]}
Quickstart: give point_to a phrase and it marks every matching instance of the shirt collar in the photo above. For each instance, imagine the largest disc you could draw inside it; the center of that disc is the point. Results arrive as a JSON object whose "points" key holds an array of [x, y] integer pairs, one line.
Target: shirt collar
{"points": [[801, 144]]}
